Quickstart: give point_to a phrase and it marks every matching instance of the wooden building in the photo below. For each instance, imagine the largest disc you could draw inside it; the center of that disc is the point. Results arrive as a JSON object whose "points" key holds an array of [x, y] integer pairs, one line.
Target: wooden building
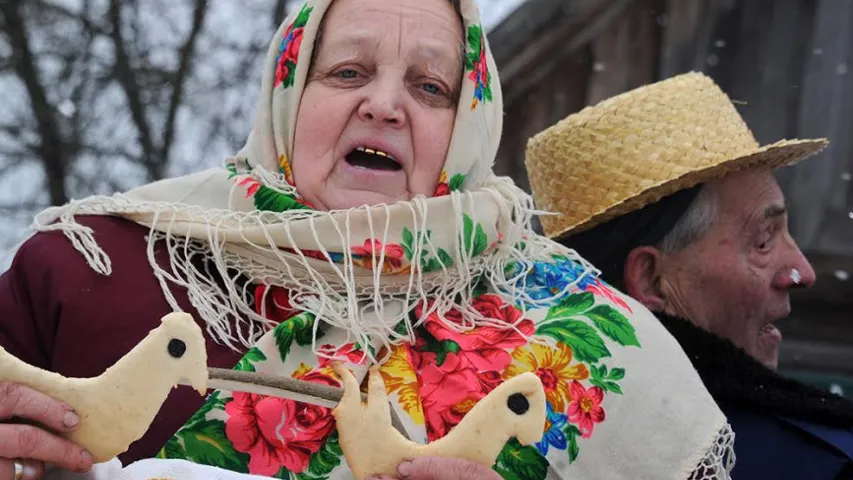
{"points": [[788, 64]]}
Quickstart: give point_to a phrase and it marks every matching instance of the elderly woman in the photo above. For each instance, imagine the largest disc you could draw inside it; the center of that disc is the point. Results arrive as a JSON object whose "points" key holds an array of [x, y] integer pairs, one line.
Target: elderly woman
{"points": [[361, 222]]}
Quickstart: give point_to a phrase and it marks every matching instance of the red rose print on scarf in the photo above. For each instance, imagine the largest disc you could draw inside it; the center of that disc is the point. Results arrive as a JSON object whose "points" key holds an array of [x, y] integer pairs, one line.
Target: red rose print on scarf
{"points": [[448, 391], [457, 369], [273, 303], [372, 251], [350, 351], [288, 52], [443, 188], [252, 186], [278, 432], [485, 348]]}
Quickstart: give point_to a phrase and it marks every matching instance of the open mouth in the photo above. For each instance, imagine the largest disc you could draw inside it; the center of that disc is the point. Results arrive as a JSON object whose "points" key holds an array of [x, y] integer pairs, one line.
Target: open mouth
{"points": [[373, 159], [771, 333]]}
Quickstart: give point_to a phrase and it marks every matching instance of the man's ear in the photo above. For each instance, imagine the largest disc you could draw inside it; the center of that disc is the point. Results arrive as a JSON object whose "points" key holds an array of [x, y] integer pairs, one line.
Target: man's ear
{"points": [[642, 277]]}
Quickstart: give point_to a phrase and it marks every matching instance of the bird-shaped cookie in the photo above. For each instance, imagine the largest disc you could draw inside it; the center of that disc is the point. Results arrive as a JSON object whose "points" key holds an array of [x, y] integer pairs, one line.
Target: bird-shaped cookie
{"points": [[117, 407], [516, 408]]}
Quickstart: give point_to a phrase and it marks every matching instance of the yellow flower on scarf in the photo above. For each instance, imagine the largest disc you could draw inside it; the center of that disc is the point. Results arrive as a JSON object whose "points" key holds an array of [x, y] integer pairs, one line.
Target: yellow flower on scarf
{"points": [[553, 366], [284, 166], [400, 377], [304, 369]]}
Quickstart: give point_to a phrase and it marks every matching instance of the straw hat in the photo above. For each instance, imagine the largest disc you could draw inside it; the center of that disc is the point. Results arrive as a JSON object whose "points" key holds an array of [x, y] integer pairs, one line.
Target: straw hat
{"points": [[638, 147]]}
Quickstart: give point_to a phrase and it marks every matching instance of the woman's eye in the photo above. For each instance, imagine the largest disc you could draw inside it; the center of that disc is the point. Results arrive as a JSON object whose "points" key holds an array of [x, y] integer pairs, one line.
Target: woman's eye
{"points": [[347, 73], [431, 88]]}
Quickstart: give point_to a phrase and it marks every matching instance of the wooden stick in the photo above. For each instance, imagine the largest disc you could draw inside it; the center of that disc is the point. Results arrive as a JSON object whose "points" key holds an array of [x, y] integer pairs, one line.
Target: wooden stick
{"points": [[295, 389], [331, 395]]}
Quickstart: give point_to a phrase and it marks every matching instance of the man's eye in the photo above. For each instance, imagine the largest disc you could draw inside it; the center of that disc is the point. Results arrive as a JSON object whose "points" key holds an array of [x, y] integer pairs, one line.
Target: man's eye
{"points": [[763, 243]]}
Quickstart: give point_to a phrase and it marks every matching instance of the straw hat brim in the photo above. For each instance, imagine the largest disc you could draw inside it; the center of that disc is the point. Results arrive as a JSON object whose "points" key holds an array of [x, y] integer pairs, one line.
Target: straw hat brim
{"points": [[780, 154]]}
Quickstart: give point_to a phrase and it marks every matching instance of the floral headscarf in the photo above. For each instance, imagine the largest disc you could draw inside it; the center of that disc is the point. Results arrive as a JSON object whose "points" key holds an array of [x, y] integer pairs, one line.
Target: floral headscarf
{"points": [[450, 309]]}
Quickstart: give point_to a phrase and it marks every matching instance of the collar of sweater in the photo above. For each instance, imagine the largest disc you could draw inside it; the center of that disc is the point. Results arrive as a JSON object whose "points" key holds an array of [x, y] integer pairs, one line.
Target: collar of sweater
{"points": [[734, 378]]}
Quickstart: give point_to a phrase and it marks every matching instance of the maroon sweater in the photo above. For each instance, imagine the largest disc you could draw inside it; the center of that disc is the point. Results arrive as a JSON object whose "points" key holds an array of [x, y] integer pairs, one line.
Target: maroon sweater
{"points": [[58, 314]]}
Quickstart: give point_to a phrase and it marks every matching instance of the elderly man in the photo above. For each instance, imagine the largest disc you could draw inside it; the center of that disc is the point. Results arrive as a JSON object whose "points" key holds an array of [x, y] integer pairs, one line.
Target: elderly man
{"points": [[666, 191]]}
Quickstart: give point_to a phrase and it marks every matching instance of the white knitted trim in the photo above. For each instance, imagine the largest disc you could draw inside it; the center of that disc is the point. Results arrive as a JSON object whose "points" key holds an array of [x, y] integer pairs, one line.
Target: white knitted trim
{"points": [[365, 303], [720, 459]]}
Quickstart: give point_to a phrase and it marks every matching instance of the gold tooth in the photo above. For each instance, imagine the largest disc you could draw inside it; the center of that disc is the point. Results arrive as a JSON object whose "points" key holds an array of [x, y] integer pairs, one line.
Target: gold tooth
{"points": [[369, 150], [381, 154]]}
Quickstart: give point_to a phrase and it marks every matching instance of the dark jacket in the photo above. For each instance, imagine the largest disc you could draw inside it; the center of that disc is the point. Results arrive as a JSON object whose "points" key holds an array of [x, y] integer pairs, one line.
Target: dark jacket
{"points": [[58, 314], [783, 429]]}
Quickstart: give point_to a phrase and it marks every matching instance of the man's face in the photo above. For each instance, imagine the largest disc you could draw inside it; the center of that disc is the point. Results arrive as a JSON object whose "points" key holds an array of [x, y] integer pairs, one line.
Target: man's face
{"points": [[735, 280]]}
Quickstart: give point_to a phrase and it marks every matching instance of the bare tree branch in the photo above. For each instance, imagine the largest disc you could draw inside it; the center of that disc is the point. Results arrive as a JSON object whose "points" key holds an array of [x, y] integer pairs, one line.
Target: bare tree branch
{"points": [[124, 74], [60, 10], [279, 13], [52, 144], [102, 151], [93, 94], [187, 54]]}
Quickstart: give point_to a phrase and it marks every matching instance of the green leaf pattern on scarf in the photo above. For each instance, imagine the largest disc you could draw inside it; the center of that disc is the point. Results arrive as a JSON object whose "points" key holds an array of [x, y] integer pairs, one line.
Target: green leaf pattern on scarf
{"points": [[584, 340], [456, 182], [325, 461], [247, 363], [297, 328], [269, 200], [476, 63], [203, 440], [474, 239], [572, 433], [576, 335], [429, 262], [444, 187], [518, 461]]}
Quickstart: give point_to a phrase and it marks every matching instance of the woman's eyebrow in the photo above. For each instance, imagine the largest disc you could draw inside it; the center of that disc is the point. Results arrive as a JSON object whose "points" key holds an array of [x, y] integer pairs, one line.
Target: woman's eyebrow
{"points": [[436, 56], [350, 44], [433, 66], [428, 52]]}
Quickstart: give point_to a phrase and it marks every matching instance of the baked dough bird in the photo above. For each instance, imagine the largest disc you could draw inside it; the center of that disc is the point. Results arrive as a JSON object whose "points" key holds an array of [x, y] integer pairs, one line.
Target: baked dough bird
{"points": [[372, 446], [117, 407]]}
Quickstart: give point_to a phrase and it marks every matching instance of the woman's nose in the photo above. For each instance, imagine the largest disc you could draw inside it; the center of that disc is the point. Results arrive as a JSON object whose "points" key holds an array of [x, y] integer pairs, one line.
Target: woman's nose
{"points": [[383, 104]]}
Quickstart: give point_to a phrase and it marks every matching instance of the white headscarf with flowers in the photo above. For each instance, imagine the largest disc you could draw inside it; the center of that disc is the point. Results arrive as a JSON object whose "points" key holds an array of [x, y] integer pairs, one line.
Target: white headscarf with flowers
{"points": [[374, 274], [249, 216]]}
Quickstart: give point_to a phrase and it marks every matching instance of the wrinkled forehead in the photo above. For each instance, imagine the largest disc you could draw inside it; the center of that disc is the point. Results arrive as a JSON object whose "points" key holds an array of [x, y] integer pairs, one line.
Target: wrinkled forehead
{"points": [[346, 8], [749, 197], [430, 28]]}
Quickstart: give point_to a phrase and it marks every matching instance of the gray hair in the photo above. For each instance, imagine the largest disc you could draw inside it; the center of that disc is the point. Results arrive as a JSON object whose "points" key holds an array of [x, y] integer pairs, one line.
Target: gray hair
{"points": [[695, 222]]}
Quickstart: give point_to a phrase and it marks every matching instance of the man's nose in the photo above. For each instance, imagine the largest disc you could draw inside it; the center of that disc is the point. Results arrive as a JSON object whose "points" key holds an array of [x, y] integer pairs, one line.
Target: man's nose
{"points": [[797, 272]]}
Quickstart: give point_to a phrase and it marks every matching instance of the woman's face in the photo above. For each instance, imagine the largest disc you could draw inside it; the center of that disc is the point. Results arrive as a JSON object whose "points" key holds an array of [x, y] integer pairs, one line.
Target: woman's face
{"points": [[378, 109]]}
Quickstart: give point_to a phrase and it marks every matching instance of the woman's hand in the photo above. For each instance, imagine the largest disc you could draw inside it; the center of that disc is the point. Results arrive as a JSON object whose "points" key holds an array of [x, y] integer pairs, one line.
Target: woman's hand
{"points": [[440, 468], [30, 418]]}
